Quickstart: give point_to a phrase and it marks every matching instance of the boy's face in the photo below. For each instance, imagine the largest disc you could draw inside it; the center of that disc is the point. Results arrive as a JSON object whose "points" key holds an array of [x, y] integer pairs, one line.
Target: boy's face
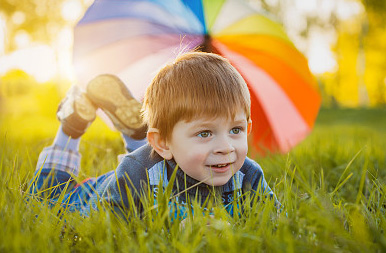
{"points": [[210, 150]]}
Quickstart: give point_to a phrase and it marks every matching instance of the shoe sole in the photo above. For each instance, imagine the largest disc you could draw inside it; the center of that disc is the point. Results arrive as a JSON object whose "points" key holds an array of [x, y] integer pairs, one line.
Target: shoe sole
{"points": [[85, 109], [76, 112], [110, 94]]}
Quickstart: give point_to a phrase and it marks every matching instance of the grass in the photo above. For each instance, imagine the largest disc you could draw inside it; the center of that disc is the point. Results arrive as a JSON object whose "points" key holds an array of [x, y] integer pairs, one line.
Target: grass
{"points": [[332, 187]]}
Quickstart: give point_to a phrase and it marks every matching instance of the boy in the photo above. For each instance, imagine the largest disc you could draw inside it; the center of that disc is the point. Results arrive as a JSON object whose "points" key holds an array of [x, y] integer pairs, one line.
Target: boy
{"points": [[197, 110]]}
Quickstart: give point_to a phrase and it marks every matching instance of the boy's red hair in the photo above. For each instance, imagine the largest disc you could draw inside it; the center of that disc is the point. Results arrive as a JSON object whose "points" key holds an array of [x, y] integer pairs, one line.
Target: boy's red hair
{"points": [[195, 85]]}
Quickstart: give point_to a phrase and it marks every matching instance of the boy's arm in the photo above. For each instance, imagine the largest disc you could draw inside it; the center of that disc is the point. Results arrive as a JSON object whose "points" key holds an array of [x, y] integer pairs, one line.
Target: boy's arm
{"points": [[129, 183], [125, 187]]}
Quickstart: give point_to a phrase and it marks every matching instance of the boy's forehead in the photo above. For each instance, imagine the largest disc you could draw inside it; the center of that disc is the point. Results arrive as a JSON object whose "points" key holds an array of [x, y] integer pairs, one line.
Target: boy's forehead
{"points": [[203, 118]]}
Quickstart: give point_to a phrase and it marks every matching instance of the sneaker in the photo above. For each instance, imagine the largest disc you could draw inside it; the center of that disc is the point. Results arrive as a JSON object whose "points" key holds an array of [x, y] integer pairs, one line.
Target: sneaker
{"points": [[75, 112], [110, 94]]}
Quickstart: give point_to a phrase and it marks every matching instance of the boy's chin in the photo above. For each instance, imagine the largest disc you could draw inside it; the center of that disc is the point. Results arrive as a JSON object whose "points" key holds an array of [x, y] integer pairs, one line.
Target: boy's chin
{"points": [[217, 182]]}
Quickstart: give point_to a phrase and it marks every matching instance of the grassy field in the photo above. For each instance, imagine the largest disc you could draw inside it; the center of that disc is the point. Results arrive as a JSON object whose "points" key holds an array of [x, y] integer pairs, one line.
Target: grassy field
{"points": [[332, 187]]}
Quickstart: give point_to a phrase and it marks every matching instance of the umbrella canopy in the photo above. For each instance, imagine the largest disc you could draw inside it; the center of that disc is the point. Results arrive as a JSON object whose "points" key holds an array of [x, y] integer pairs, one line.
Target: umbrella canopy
{"points": [[133, 39]]}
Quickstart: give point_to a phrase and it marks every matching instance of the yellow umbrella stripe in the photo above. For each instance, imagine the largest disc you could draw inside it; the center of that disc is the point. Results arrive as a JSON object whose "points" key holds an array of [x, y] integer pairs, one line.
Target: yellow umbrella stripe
{"points": [[211, 9], [255, 24]]}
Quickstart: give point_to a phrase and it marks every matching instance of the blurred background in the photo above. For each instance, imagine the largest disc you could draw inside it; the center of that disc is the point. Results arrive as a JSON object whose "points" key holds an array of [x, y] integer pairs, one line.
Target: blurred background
{"points": [[332, 184], [343, 40]]}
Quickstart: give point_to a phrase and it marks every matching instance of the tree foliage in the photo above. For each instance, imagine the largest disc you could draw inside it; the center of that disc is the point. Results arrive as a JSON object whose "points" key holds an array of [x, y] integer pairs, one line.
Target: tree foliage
{"points": [[40, 19], [376, 8], [359, 50]]}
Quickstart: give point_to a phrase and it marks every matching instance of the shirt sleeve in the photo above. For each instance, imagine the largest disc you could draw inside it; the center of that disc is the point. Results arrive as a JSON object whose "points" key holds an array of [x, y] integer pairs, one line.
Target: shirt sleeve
{"points": [[125, 188]]}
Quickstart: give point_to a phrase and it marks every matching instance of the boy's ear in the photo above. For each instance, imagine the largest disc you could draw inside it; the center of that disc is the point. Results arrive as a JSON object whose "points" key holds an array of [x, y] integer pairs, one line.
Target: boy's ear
{"points": [[249, 127], [158, 143]]}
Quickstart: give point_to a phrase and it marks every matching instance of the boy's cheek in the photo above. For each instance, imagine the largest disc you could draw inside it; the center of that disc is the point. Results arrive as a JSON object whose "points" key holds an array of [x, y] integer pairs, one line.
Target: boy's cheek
{"points": [[195, 158], [243, 148], [190, 159]]}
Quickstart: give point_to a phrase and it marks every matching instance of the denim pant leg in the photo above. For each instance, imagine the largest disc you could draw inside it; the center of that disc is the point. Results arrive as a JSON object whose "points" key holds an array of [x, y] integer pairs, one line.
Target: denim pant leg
{"points": [[54, 172]]}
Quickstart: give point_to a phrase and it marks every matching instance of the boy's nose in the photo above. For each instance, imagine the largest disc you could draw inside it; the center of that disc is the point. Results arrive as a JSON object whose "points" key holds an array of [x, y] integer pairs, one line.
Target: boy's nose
{"points": [[224, 146]]}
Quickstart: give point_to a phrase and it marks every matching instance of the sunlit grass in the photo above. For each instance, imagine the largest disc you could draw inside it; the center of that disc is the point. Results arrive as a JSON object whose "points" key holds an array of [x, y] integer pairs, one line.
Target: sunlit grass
{"points": [[332, 187]]}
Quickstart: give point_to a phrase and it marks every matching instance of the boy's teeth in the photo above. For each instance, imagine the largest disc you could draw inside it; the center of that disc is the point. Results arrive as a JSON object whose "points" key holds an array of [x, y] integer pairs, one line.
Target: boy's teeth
{"points": [[220, 165]]}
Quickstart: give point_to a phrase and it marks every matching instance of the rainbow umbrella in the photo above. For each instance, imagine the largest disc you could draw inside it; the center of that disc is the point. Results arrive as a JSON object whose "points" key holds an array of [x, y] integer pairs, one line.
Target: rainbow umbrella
{"points": [[133, 39]]}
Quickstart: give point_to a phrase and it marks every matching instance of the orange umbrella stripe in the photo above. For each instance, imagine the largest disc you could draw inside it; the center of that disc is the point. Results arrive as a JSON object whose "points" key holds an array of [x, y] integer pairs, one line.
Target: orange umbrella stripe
{"points": [[263, 137], [303, 96], [275, 47]]}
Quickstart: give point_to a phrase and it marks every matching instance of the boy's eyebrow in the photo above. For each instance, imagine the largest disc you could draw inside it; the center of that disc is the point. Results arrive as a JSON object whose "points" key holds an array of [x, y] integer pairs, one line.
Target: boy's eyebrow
{"points": [[241, 121], [203, 124], [210, 123]]}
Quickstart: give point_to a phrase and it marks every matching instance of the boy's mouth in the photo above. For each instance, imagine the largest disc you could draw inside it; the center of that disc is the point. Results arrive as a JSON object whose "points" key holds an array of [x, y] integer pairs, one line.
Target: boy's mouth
{"points": [[220, 165], [220, 168]]}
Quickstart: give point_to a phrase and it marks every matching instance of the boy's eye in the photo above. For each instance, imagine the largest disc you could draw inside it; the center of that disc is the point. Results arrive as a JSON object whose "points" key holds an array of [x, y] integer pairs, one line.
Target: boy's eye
{"points": [[204, 134], [236, 130]]}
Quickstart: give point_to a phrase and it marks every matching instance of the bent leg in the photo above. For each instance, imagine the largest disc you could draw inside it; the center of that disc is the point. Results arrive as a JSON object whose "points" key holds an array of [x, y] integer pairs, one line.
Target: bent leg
{"points": [[55, 172]]}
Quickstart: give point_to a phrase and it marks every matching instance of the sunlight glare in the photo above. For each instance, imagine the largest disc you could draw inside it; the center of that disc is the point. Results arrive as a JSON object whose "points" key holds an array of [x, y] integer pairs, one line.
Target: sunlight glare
{"points": [[18, 18], [22, 39], [320, 57], [64, 42], [297, 22], [306, 6], [272, 2], [2, 35], [71, 10], [38, 61], [347, 9], [317, 46]]}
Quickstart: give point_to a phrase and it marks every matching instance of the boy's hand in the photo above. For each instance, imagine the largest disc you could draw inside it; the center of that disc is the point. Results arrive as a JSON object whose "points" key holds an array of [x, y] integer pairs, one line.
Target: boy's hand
{"points": [[182, 224], [216, 223], [212, 222]]}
